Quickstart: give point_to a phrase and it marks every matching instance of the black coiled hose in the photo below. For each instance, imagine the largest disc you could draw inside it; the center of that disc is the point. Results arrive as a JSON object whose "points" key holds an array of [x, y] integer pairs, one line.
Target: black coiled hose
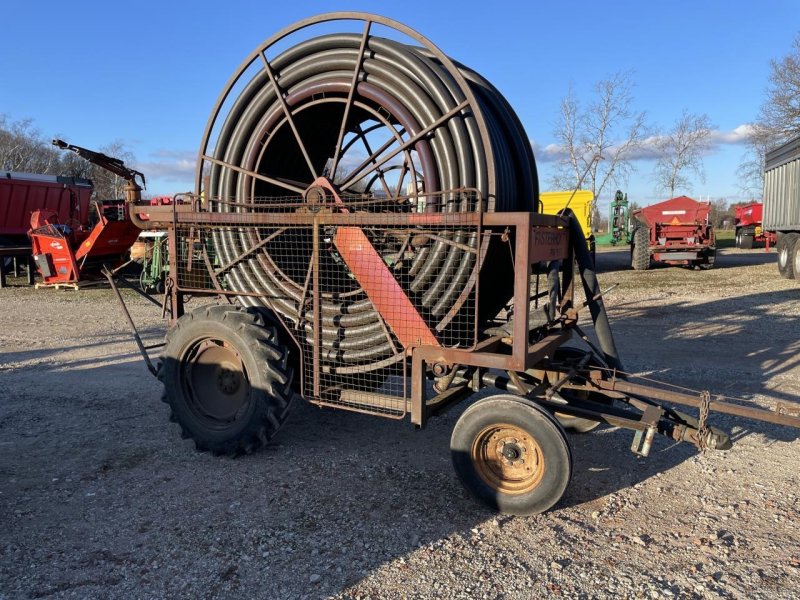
{"points": [[406, 88]]}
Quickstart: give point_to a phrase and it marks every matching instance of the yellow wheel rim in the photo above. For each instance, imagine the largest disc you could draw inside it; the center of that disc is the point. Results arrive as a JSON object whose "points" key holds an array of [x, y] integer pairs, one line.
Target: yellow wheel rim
{"points": [[508, 459]]}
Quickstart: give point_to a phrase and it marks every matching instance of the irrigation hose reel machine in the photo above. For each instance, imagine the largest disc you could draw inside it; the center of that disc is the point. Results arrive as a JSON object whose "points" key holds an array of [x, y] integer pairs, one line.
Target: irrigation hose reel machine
{"points": [[365, 213]]}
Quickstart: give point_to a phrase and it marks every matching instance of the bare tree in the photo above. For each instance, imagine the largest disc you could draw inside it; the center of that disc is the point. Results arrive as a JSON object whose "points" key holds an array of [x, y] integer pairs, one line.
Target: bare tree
{"points": [[107, 185], [778, 119], [780, 113], [681, 151], [22, 148], [608, 127], [751, 169], [569, 171], [719, 213], [72, 165]]}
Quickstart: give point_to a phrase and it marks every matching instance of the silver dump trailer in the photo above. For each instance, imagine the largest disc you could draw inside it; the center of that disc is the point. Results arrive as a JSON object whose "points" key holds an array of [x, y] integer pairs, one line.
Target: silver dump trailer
{"points": [[782, 204]]}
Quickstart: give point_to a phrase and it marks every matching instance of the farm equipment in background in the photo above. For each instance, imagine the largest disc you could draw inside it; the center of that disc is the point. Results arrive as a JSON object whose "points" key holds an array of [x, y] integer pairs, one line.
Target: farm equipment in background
{"points": [[749, 228], [619, 220], [151, 252], [619, 229], [781, 213], [71, 253], [580, 202], [677, 232], [23, 193]]}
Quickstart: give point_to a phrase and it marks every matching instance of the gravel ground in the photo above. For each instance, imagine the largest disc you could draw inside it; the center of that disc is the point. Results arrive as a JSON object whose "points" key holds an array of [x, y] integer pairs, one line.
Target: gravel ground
{"points": [[100, 498]]}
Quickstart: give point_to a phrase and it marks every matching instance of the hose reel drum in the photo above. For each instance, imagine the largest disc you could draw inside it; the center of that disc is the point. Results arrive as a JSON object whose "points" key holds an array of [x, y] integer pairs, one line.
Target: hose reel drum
{"points": [[394, 126]]}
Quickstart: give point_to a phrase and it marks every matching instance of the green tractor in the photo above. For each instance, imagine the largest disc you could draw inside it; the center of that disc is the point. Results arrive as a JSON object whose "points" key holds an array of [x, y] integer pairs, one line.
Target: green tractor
{"points": [[619, 230], [154, 261]]}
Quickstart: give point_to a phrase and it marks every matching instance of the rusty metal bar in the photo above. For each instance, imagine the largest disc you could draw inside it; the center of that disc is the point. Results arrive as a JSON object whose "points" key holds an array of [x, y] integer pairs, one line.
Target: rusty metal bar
{"points": [[213, 275], [333, 218], [287, 111], [358, 175], [757, 414], [161, 217], [394, 404], [273, 180], [418, 414], [567, 376], [365, 408], [176, 298], [249, 251], [301, 304], [466, 357], [522, 286], [316, 313], [136, 338], [350, 96]]}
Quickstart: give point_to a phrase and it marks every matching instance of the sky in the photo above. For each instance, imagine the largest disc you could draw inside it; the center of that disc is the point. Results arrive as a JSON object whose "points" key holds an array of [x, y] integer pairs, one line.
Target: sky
{"points": [[148, 73]]}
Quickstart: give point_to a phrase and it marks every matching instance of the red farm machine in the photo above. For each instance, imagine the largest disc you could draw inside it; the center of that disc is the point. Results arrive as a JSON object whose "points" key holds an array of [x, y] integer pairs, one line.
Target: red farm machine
{"points": [[749, 227], [318, 274], [72, 252], [65, 198], [677, 232]]}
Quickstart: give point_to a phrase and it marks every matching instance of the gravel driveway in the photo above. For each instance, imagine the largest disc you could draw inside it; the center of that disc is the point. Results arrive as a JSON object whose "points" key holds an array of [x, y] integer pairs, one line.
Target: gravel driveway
{"points": [[100, 498]]}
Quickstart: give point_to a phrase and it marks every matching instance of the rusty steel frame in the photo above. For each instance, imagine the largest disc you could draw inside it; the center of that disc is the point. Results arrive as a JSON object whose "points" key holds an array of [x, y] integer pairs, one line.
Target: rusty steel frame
{"points": [[615, 384], [535, 238]]}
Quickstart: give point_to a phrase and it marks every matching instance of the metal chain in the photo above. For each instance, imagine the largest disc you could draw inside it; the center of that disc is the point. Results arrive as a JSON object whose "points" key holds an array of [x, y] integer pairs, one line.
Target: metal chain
{"points": [[702, 426]]}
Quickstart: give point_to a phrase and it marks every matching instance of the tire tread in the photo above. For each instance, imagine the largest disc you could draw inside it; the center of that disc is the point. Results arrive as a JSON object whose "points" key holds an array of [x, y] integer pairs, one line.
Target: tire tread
{"points": [[273, 400]]}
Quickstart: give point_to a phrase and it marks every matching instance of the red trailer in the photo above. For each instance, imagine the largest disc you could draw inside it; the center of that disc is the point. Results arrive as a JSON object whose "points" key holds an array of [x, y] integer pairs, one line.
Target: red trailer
{"points": [[749, 228], [23, 193], [676, 231]]}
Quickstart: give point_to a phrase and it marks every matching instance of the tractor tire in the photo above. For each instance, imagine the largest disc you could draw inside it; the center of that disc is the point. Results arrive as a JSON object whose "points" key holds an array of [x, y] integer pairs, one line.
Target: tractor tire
{"points": [[747, 239], [737, 240], [796, 260], [709, 258], [512, 455], [785, 248], [226, 378], [640, 251]]}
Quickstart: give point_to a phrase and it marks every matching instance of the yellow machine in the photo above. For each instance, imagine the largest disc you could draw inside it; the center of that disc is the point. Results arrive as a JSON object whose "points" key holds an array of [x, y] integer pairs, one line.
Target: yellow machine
{"points": [[581, 204]]}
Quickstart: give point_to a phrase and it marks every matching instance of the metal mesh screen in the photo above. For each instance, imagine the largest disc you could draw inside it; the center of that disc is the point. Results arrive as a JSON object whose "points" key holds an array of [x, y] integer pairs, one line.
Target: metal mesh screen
{"points": [[356, 284]]}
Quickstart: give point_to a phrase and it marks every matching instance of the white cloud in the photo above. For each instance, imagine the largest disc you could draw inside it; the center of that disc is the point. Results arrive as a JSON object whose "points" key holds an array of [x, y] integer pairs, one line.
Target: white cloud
{"points": [[647, 151], [736, 136], [170, 165]]}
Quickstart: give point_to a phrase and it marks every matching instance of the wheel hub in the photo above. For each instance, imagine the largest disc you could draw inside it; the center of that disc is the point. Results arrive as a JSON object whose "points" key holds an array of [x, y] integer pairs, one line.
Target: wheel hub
{"points": [[512, 452], [215, 381], [228, 381], [508, 459]]}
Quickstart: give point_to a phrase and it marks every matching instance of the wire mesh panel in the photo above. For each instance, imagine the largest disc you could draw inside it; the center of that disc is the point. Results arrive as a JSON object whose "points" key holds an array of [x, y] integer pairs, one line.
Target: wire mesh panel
{"points": [[358, 283]]}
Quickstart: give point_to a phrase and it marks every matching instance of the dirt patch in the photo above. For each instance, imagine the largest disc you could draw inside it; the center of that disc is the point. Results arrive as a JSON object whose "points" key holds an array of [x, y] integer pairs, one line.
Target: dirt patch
{"points": [[99, 496]]}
